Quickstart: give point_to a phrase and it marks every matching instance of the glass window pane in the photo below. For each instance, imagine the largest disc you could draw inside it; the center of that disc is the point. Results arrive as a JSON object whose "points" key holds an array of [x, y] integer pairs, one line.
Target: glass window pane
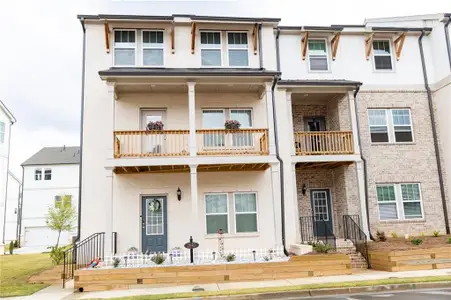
{"points": [[318, 63], [386, 193], [410, 192], [377, 117], [245, 203], [246, 223], [153, 57], [383, 62], [237, 38], [216, 222], [238, 58], [401, 117], [403, 136], [124, 57], [244, 116], [212, 119], [317, 46], [210, 38], [412, 210], [381, 47], [377, 137], [211, 57], [216, 203], [388, 211], [124, 36]]}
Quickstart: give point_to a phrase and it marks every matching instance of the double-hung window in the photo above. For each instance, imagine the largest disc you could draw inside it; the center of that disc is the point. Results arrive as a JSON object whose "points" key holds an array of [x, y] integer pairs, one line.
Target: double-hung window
{"points": [[124, 47], [244, 116], [37, 174], [210, 49], [153, 48], [399, 201], [382, 55], [217, 213], [48, 174], [238, 49], [317, 54], [2, 132], [245, 212], [390, 125], [213, 119]]}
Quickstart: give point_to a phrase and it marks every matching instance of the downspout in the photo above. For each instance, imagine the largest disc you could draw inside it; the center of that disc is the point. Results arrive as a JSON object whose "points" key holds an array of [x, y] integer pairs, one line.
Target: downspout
{"points": [[7, 177], [365, 170], [260, 48], [80, 169], [448, 43], [434, 132], [278, 49]]}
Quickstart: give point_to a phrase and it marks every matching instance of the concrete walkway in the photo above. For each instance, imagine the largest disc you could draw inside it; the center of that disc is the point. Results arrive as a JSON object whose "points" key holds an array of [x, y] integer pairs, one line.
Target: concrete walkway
{"points": [[361, 276]]}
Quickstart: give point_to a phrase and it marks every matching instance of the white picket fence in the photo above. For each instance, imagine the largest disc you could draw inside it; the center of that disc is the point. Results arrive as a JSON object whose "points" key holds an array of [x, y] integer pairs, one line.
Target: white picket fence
{"points": [[182, 257]]}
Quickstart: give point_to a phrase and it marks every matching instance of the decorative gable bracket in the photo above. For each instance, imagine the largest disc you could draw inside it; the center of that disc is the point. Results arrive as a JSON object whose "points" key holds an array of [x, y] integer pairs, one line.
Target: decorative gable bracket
{"points": [[369, 46], [255, 37], [193, 37], [304, 42], [107, 37], [399, 43], [334, 42]]}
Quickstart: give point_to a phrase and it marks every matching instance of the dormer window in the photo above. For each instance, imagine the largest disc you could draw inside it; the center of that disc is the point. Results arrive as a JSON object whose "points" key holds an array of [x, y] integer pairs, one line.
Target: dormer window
{"points": [[317, 54], [124, 47], [210, 44], [153, 48], [237, 44]]}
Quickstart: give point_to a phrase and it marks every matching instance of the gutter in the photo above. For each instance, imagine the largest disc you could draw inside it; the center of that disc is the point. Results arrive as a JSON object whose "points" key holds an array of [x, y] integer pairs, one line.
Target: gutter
{"points": [[83, 70], [7, 178], [260, 48], [365, 169], [434, 133], [448, 44]]}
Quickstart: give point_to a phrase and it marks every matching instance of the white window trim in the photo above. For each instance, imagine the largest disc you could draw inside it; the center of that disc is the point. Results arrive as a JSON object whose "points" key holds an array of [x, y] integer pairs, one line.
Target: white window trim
{"points": [[149, 47], [47, 169], [226, 112], [391, 57], [217, 214], [240, 213], [326, 42], [35, 170], [135, 47], [247, 48], [391, 126], [400, 203], [205, 47], [162, 217]]}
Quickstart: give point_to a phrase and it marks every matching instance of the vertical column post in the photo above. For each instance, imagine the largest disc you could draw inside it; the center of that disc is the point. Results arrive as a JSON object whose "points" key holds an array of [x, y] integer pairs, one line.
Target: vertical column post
{"points": [[108, 211], [353, 116], [275, 185], [194, 200], [290, 123], [361, 185], [192, 118], [270, 118], [109, 107]]}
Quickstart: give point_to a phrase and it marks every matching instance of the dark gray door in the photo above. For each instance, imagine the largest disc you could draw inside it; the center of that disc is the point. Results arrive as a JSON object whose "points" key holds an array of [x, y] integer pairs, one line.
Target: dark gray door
{"points": [[154, 224], [322, 216]]}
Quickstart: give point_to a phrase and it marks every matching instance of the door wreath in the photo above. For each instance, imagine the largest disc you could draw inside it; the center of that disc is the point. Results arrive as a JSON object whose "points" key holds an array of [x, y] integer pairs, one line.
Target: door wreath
{"points": [[155, 205]]}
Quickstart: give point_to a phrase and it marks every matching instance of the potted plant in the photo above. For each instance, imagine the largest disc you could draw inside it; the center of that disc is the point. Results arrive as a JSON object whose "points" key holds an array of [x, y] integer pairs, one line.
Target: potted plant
{"points": [[232, 125], [132, 252], [157, 125]]}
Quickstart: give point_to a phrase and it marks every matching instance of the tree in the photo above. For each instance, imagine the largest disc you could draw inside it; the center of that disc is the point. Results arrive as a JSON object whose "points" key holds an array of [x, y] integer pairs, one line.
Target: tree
{"points": [[61, 216]]}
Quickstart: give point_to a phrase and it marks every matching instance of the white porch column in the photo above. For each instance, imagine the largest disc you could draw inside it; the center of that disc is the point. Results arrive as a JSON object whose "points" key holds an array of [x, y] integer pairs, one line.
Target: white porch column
{"points": [[109, 109], [361, 185], [353, 115], [275, 185], [108, 192], [290, 122], [194, 203], [270, 118], [192, 118]]}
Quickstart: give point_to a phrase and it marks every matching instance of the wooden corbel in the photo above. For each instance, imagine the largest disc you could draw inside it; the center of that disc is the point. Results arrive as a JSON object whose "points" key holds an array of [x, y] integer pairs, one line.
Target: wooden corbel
{"points": [[304, 43], [173, 39], [369, 46], [107, 37], [255, 37], [193, 37], [334, 42], [399, 43]]}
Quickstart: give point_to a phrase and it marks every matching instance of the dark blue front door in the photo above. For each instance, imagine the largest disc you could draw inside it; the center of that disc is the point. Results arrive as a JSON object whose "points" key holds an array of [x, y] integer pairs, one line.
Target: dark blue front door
{"points": [[322, 216], [154, 224]]}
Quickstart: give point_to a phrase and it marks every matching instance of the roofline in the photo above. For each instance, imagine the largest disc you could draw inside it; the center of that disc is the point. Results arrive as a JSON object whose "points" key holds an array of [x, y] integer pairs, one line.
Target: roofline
{"points": [[49, 164], [126, 17], [318, 83], [412, 29], [404, 18], [236, 19], [8, 112], [171, 18], [341, 27], [154, 72]]}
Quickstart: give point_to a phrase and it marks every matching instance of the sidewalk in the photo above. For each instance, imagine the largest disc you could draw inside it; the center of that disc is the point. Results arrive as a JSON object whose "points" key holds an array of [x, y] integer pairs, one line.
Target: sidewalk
{"points": [[360, 276]]}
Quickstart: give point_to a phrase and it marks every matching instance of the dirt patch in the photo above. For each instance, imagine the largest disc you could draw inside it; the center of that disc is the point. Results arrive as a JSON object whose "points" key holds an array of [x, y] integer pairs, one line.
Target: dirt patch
{"points": [[52, 276], [402, 244]]}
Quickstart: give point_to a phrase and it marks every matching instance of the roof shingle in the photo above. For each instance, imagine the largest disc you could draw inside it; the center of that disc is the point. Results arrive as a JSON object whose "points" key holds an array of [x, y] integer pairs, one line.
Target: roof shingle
{"points": [[54, 156]]}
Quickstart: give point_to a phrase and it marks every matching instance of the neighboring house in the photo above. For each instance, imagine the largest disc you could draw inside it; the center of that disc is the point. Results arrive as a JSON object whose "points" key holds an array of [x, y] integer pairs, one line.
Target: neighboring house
{"points": [[353, 132], [47, 175], [6, 121]]}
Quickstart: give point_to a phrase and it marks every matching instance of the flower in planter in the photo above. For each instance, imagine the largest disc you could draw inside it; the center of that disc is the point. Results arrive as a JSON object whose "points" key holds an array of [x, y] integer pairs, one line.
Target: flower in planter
{"points": [[157, 125], [232, 125]]}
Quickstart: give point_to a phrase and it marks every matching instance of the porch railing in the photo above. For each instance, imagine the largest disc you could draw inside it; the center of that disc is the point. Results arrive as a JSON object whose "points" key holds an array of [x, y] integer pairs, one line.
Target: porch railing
{"points": [[143, 143], [246, 141], [353, 232], [323, 142], [316, 230]]}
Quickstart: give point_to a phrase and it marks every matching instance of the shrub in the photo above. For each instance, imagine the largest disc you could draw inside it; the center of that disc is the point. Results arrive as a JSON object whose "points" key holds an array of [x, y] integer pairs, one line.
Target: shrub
{"points": [[11, 248], [394, 235], [381, 236], [230, 257], [436, 233], [322, 248], [417, 242], [158, 258], [56, 254], [266, 258], [16, 244], [116, 262], [449, 241]]}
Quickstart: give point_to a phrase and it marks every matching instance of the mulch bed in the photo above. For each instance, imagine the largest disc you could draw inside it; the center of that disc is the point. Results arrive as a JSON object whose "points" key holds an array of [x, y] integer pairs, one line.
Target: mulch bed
{"points": [[393, 244]]}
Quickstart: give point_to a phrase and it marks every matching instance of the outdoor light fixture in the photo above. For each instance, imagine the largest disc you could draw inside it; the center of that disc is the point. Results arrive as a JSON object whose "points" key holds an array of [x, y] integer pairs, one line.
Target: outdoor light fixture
{"points": [[304, 189], [179, 194]]}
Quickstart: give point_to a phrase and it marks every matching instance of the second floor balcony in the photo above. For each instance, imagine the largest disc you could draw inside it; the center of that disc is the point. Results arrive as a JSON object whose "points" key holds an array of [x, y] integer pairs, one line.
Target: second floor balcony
{"points": [[323, 142]]}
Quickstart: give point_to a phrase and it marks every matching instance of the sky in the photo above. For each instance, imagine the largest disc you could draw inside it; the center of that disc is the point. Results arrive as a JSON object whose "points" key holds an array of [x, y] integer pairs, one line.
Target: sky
{"points": [[41, 46]]}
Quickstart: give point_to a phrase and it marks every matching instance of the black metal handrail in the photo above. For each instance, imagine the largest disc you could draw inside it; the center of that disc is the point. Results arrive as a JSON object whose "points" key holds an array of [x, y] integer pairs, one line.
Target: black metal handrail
{"points": [[81, 253], [309, 228], [353, 232], [328, 238]]}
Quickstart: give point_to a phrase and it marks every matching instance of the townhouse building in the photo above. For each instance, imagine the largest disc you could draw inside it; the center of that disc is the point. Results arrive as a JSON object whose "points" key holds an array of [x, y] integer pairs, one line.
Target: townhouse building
{"points": [[335, 130]]}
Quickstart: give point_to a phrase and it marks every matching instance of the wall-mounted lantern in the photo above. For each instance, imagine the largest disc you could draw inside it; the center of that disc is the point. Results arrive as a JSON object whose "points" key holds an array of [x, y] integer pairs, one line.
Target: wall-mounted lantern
{"points": [[304, 189], [179, 194]]}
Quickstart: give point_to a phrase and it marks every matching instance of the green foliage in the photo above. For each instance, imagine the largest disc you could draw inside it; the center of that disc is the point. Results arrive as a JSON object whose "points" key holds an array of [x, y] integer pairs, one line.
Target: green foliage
{"points": [[449, 241], [266, 258], [381, 236], [417, 242], [436, 233], [158, 258], [230, 257], [116, 262], [11, 248], [394, 235], [321, 247], [61, 217], [16, 244], [57, 254]]}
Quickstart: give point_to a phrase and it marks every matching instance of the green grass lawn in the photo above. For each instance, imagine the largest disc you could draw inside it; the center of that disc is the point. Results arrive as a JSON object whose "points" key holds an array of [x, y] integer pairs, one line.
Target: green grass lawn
{"points": [[289, 288], [15, 271]]}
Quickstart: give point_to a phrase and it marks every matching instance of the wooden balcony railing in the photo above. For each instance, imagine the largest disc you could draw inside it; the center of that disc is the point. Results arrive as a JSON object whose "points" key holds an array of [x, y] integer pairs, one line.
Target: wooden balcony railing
{"points": [[246, 141], [323, 142], [142, 143]]}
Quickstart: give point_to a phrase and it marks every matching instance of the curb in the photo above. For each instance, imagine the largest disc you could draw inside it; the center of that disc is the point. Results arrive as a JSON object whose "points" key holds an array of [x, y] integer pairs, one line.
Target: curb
{"points": [[333, 291]]}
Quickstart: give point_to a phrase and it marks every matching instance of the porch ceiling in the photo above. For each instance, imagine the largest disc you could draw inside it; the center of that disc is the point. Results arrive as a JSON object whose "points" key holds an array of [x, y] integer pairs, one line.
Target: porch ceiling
{"points": [[182, 88], [186, 168], [322, 165], [314, 98]]}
